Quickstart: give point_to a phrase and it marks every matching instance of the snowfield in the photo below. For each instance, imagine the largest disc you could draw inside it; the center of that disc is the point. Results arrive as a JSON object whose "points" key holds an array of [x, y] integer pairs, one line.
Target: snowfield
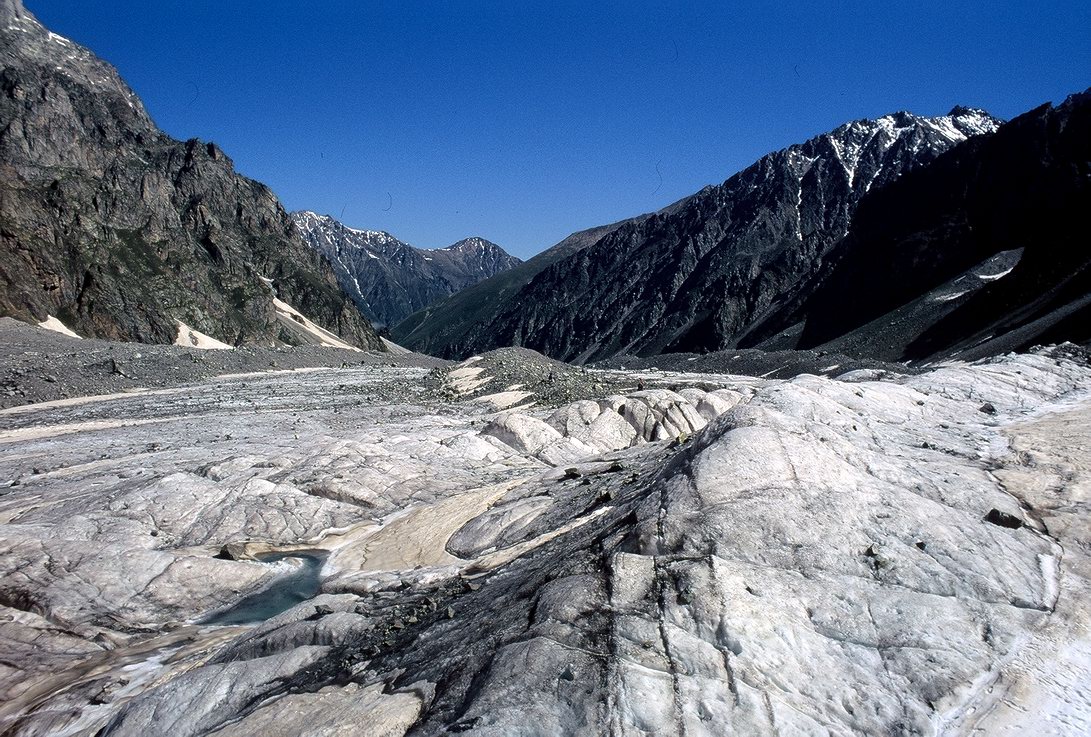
{"points": [[694, 554]]}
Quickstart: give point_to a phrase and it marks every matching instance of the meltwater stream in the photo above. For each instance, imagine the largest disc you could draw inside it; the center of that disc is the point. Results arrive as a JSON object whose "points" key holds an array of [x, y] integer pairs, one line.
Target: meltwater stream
{"points": [[283, 593]]}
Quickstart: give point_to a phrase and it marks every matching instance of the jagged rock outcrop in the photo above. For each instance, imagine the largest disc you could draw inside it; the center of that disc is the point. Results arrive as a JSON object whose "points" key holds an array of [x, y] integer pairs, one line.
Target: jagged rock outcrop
{"points": [[697, 276], [122, 232], [982, 252], [389, 279]]}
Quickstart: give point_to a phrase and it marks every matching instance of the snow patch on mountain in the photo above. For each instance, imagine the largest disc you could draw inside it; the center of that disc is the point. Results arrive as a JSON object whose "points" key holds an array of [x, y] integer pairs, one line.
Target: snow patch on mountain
{"points": [[190, 338], [52, 323], [305, 330]]}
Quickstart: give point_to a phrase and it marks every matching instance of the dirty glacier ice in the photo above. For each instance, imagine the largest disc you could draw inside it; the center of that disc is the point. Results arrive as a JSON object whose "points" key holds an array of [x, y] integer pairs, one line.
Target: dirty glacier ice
{"points": [[713, 555]]}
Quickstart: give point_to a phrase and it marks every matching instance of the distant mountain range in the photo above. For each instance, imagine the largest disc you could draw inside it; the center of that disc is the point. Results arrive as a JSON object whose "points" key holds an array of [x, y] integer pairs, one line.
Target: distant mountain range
{"points": [[460, 324], [389, 279], [900, 238], [120, 231], [696, 275]]}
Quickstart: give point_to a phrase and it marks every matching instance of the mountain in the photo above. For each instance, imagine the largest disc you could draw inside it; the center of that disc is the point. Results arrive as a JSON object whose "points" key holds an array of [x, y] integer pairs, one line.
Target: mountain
{"points": [[447, 327], [696, 276], [458, 325], [122, 232], [982, 252], [387, 278]]}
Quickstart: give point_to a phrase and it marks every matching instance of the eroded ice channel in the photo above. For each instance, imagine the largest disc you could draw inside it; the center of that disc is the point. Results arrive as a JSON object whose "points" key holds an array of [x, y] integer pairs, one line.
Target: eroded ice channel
{"points": [[299, 582]]}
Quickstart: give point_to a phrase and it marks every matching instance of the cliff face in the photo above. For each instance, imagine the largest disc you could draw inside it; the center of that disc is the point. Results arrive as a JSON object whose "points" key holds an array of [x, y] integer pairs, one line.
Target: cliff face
{"points": [[389, 279], [120, 230]]}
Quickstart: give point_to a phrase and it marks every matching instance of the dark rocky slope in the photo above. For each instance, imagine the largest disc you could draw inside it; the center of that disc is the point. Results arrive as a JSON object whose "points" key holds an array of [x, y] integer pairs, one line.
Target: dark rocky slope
{"points": [[982, 252], [387, 278], [698, 276], [462, 324], [457, 325], [121, 231]]}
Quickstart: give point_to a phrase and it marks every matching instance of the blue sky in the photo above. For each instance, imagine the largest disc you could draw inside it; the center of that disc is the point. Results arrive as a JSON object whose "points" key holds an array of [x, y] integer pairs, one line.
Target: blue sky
{"points": [[522, 122]]}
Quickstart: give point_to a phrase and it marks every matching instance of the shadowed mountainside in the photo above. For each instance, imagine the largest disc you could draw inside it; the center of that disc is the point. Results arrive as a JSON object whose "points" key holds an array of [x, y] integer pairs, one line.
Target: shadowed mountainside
{"points": [[698, 275], [982, 252], [387, 278]]}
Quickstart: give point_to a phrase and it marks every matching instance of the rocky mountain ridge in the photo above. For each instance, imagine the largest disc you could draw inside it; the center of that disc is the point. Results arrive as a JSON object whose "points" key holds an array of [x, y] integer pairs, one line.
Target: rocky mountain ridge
{"points": [[122, 232], [983, 252], [454, 326], [389, 279], [695, 277]]}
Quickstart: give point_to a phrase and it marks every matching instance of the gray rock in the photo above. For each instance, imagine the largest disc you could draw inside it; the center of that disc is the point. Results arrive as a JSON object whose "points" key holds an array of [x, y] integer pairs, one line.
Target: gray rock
{"points": [[121, 232]]}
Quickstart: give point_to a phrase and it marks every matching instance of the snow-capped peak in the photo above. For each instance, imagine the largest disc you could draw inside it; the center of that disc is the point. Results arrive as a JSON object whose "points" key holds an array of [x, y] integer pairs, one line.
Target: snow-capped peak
{"points": [[473, 244], [854, 141], [329, 226], [973, 121]]}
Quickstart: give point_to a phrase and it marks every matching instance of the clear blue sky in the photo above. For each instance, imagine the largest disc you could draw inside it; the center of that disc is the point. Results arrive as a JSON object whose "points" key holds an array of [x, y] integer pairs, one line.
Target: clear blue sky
{"points": [[524, 121]]}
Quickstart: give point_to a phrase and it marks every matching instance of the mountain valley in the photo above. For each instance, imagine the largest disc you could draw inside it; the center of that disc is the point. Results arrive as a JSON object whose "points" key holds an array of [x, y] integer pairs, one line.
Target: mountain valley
{"points": [[807, 452], [698, 274]]}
